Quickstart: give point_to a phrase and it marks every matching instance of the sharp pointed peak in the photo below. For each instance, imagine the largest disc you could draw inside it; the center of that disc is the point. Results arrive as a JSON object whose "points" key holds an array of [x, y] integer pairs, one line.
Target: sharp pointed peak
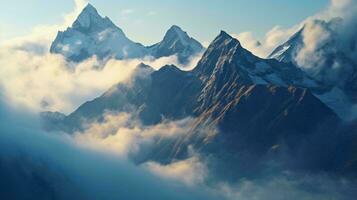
{"points": [[89, 5], [89, 8], [90, 17], [176, 32], [225, 35], [175, 27]]}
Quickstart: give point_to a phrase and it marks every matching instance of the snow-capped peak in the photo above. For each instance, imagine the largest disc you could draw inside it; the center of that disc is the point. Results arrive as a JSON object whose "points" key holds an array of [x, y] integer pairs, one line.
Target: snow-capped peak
{"points": [[94, 35], [90, 9], [88, 14], [224, 35], [177, 41], [176, 31]]}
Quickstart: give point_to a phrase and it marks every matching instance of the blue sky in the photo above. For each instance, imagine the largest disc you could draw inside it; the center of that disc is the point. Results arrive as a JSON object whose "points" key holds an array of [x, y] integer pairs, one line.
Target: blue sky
{"points": [[146, 21]]}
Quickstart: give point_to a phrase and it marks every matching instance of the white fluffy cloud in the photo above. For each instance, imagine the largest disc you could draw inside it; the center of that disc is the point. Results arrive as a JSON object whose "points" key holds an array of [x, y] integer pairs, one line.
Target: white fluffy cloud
{"points": [[47, 82], [122, 134], [328, 52], [34, 78], [191, 171], [346, 9], [272, 39], [37, 165]]}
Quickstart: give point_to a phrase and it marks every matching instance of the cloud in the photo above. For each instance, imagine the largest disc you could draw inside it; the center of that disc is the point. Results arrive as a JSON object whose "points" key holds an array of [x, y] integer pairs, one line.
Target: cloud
{"points": [[276, 36], [127, 12], [346, 9], [152, 13], [160, 62], [47, 82], [92, 164], [35, 165], [38, 164], [34, 78], [122, 134], [289, 186], [42, 35], [69, 18], [326, 34], [191, 171], [329, 43]]}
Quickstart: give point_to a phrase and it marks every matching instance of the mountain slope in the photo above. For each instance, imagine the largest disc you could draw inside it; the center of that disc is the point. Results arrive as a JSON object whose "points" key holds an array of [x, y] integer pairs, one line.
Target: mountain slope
{"points": [[93, 35], [234, 114], [226, 65]]}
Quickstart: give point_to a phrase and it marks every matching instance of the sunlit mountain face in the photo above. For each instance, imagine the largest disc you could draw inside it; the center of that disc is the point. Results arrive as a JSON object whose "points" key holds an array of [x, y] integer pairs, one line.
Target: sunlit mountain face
{"points": [[89, 113]]}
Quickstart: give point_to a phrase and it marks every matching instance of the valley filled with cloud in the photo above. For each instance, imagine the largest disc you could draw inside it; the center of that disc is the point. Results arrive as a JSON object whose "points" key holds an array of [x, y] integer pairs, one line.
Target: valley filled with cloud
{"points": [[85, 118]]}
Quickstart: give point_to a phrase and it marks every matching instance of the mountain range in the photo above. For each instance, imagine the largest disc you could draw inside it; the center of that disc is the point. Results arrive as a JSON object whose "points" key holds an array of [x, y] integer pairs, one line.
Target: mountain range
{"points": [[247, 112], [93, 35], [245, 109]]}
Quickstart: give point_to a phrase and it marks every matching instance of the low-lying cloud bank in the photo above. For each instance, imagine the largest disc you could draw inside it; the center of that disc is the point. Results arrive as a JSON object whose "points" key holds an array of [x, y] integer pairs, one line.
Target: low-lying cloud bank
{"points": [[35, 164], [44, 81], [121, 135]]}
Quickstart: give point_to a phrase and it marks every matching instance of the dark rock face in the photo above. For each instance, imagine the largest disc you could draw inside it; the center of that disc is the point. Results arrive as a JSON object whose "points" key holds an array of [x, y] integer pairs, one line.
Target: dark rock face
{"points": [[261, 116], [173, 95]]}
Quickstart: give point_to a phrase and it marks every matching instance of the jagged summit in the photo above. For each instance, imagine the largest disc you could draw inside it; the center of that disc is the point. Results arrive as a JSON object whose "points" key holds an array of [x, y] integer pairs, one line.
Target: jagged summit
{"points": [[177, 42], [176, 28], [176, 32], [224, 35], [222, 49], [89, 8], [226, 61], [89, 18], [225, 40], [94, 35]]}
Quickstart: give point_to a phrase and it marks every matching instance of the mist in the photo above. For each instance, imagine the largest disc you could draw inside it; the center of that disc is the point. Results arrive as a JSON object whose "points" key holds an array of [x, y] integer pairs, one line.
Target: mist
{"points": [[99, 162], [37, 165]]}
